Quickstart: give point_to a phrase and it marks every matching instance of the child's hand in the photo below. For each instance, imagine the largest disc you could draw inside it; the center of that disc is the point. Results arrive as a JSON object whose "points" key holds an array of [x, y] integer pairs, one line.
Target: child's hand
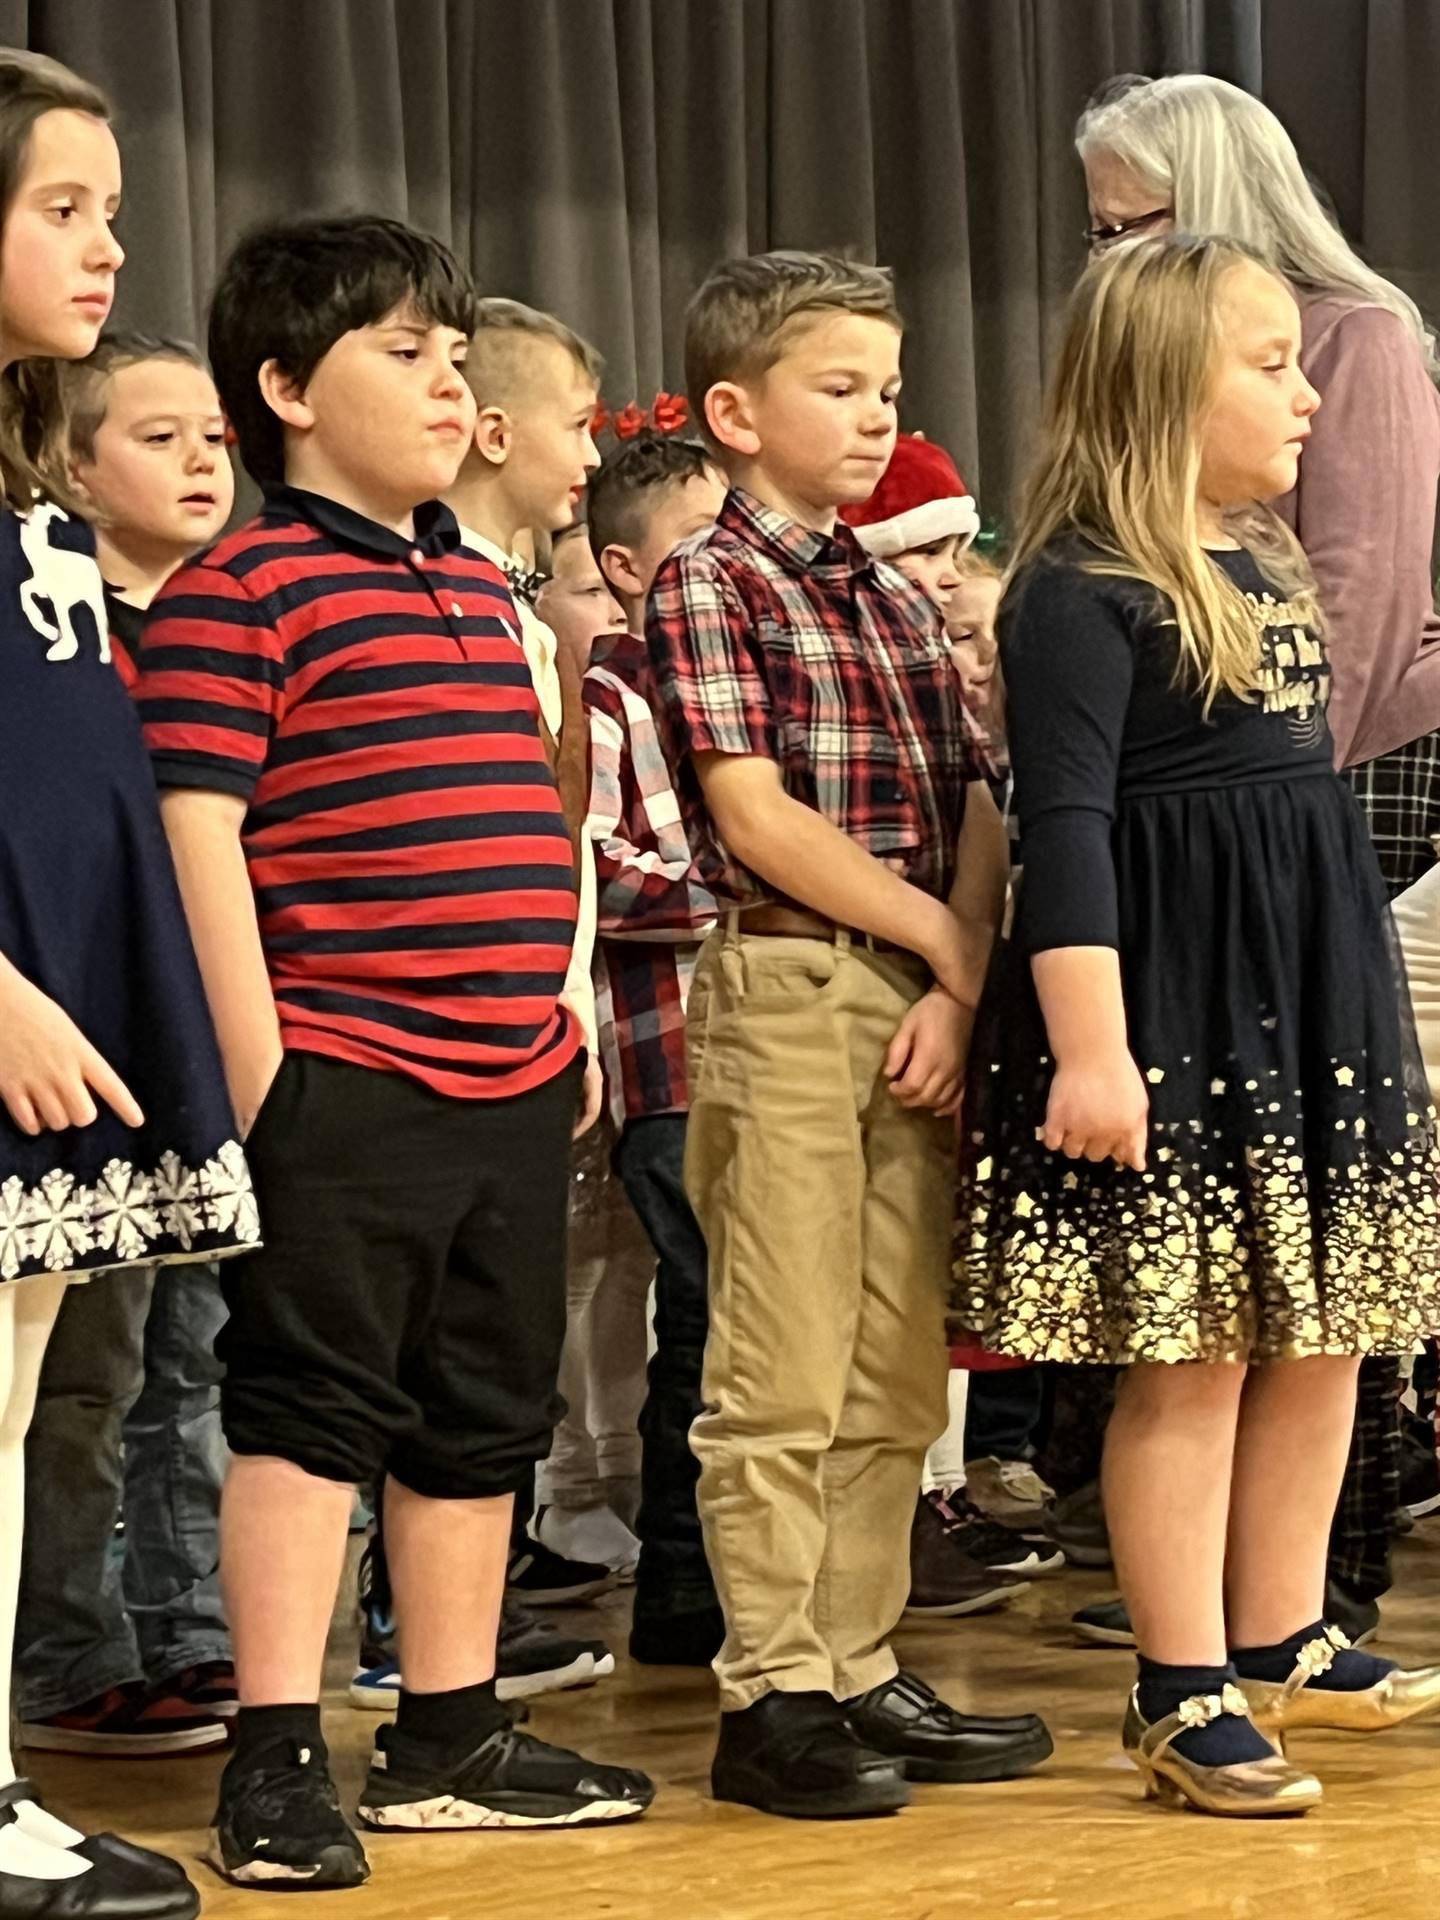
{"points": [[47, 1066], [926, 1062], [592, 1093], [1098, 1110]]}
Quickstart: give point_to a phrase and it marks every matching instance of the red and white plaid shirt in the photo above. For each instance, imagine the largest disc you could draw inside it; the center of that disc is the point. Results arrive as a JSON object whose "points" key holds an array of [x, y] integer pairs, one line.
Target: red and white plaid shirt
{"points": [[768, 638], [653, 911]]}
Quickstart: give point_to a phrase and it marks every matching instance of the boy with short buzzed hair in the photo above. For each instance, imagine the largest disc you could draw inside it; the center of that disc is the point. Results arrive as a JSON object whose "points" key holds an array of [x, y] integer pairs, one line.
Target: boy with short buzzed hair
{"points": [[812, 717]]}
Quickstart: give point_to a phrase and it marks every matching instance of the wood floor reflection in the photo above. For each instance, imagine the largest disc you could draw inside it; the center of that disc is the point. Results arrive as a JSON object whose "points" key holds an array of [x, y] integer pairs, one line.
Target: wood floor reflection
{"points": [[1072, 1842]]}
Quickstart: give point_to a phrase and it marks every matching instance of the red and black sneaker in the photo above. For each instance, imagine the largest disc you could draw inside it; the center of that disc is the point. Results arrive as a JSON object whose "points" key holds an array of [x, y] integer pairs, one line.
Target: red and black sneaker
{"points": [[209, 1688], [131, 1722]]}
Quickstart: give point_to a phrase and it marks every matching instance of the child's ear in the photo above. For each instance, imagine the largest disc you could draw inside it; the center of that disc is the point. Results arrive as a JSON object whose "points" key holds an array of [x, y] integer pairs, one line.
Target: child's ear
{"points": [[494, 435], [618, 568], [285, 396], [77, 486], [727, 412]]}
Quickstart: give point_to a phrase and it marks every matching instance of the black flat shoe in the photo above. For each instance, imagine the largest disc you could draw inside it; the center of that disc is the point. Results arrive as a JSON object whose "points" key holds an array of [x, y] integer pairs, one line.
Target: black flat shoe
{"points": [[122, 1883], [795, 1754], [910, 1723]]}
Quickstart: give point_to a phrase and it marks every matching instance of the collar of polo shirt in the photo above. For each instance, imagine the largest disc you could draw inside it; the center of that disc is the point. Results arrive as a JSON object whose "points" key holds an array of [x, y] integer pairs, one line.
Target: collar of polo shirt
{"points": [[437, 532]]}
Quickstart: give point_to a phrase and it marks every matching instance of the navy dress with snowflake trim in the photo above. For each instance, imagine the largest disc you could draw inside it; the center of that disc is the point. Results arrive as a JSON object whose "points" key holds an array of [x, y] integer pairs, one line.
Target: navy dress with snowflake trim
{"points": [[90, 913]]}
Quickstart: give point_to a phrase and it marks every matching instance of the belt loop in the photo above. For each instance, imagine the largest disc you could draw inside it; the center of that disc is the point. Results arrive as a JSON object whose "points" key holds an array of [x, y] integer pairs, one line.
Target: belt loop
{"points": [[842, 940], [731, 937]]}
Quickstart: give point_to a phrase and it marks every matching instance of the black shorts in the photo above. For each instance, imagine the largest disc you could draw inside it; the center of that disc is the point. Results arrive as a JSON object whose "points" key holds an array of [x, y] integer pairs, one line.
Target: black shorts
{"points": [[407, 1308]]}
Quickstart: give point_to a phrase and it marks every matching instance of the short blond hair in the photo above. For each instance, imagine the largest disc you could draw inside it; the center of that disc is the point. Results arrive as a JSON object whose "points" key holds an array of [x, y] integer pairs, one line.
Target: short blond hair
{"points": [[739, 323], [504, 331]]}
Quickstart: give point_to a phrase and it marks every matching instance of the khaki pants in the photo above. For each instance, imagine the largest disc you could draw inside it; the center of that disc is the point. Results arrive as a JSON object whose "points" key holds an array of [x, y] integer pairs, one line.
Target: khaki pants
{"points": [[827, 1209]]}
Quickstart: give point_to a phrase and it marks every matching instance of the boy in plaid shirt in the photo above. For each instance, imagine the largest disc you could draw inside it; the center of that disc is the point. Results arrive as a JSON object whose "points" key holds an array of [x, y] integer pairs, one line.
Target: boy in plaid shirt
{"points": [[811, 715], [654, 913]]}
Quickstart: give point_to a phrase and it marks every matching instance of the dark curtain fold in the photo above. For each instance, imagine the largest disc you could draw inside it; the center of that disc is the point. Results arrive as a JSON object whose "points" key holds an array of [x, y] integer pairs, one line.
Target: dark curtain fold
{"points": [[597, 156]]}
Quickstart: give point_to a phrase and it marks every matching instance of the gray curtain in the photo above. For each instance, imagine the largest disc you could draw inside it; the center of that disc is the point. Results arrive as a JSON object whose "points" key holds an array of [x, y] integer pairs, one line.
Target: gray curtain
{"points": [[597, 156]]}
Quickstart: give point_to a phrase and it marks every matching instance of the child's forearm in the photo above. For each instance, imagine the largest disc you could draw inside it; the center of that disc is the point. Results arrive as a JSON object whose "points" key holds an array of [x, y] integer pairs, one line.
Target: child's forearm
{"points": [[802, 855], [982, 879], [1080, 996], [204, 834]]}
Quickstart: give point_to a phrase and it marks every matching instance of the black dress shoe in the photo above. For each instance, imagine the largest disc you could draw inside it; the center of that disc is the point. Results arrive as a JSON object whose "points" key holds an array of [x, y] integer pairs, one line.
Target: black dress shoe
{"points": [[908, 1721], [122, 1883], [796, 1754]]}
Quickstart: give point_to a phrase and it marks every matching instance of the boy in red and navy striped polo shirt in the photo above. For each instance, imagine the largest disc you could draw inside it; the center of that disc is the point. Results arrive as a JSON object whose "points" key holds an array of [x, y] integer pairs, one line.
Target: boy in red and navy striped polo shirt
{"points": [[381, 891]]}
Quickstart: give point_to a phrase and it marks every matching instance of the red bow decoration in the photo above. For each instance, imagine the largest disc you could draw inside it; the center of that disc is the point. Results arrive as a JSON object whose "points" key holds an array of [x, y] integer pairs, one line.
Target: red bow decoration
{"points": [[670, 413]]}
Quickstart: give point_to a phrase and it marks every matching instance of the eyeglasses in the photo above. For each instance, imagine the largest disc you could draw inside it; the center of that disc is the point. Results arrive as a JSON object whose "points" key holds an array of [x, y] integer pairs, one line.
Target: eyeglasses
{"points": [[1100, 236]]}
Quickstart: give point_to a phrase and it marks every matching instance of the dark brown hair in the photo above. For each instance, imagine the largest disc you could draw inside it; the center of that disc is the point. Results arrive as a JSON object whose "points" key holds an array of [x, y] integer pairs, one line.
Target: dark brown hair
{"points": [[32, 409], [632, 480]]}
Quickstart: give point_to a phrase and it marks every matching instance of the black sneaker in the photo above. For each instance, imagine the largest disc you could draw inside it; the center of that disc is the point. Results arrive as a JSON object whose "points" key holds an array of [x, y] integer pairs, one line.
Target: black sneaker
{"points": [[279, 1825], [1002, 1549], [931, 1740], [1357, 1617], [510, 1780], [1419, 1477], [545, 1579], [1106, 1624], [531, 1657], [1076, 1524], [796, 1754]]}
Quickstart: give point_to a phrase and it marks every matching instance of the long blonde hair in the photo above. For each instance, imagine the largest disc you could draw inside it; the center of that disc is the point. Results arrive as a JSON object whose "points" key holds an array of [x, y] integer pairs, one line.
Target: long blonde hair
{"points": [[1227, 166], [1119, 460]]}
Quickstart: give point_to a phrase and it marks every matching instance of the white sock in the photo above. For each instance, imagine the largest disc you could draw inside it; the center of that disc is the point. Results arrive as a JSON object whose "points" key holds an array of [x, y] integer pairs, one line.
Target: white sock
{"points": [[32, 1860], [32, 1818]]}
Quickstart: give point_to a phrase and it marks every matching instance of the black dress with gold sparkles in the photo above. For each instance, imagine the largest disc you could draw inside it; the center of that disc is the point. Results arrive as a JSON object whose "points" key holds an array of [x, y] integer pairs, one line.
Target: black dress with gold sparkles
{"points": [[1291, 1200]]}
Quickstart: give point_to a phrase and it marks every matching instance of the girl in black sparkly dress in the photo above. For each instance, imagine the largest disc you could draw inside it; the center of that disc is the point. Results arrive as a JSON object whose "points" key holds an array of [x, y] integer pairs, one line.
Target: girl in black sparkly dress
{"points": [[1199, 1143]]}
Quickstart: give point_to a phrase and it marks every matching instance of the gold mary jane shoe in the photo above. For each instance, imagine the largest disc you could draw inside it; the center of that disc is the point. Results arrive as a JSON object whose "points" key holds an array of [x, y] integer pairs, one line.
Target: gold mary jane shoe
{"points": [[1279, 1707], [1249, 1790]]}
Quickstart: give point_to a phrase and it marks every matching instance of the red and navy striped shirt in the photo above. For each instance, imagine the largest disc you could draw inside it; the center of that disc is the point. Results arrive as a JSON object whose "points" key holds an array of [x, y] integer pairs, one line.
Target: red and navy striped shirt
{"points": [[368, 698]]}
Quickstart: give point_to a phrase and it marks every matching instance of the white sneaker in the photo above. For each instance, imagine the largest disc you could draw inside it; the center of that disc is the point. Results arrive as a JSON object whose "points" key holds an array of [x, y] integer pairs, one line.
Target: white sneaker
{"points": [[591, 1534], [1010, 1491]]}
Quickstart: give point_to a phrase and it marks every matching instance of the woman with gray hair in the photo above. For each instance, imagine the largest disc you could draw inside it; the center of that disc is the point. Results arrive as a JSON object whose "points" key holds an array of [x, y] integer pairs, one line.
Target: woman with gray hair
{"points": [[1199, 155]]}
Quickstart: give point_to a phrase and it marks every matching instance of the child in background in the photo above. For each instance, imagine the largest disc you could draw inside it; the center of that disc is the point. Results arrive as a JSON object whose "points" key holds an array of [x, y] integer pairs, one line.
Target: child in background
{"points": [[653, 493], [588, 1491], [127, 1653], [922, 519]]}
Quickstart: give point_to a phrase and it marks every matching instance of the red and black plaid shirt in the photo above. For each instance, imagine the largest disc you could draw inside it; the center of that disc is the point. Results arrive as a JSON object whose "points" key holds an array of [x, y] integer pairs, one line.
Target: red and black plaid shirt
{"points": [[768, 638], [653, 913]]}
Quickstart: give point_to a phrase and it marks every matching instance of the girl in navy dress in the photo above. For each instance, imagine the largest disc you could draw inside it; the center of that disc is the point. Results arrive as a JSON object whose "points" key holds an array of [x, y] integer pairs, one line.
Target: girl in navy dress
{"points": [[117, 1141], [1201, 1145]]}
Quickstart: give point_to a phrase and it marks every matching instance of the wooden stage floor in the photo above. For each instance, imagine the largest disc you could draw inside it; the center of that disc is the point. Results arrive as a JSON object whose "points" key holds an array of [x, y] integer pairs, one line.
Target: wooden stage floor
{"points": [[1073, 1842]]}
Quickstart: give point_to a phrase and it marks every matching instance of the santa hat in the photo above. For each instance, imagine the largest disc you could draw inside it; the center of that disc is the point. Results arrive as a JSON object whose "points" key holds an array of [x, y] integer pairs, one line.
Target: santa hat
{"points": [[920, 498]]}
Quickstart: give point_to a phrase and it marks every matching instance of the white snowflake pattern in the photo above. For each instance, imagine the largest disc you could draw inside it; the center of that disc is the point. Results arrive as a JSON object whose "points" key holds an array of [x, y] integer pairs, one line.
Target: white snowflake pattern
{"points": [[225, 1182], [17, 1226], [125, 1216], [62, 1222], [180, 1200]]}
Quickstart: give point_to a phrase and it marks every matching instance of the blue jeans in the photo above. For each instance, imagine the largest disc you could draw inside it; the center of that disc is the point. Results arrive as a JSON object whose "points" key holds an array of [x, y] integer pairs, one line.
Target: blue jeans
{"points": [[673, 1576], [128, 1420]]}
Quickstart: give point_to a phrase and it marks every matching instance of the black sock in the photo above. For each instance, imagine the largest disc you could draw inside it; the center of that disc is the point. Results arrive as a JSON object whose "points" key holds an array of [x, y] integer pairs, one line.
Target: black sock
{"points": [[455, 1721], [1351, 1671], [261, 1730], [1227, 1741]]}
